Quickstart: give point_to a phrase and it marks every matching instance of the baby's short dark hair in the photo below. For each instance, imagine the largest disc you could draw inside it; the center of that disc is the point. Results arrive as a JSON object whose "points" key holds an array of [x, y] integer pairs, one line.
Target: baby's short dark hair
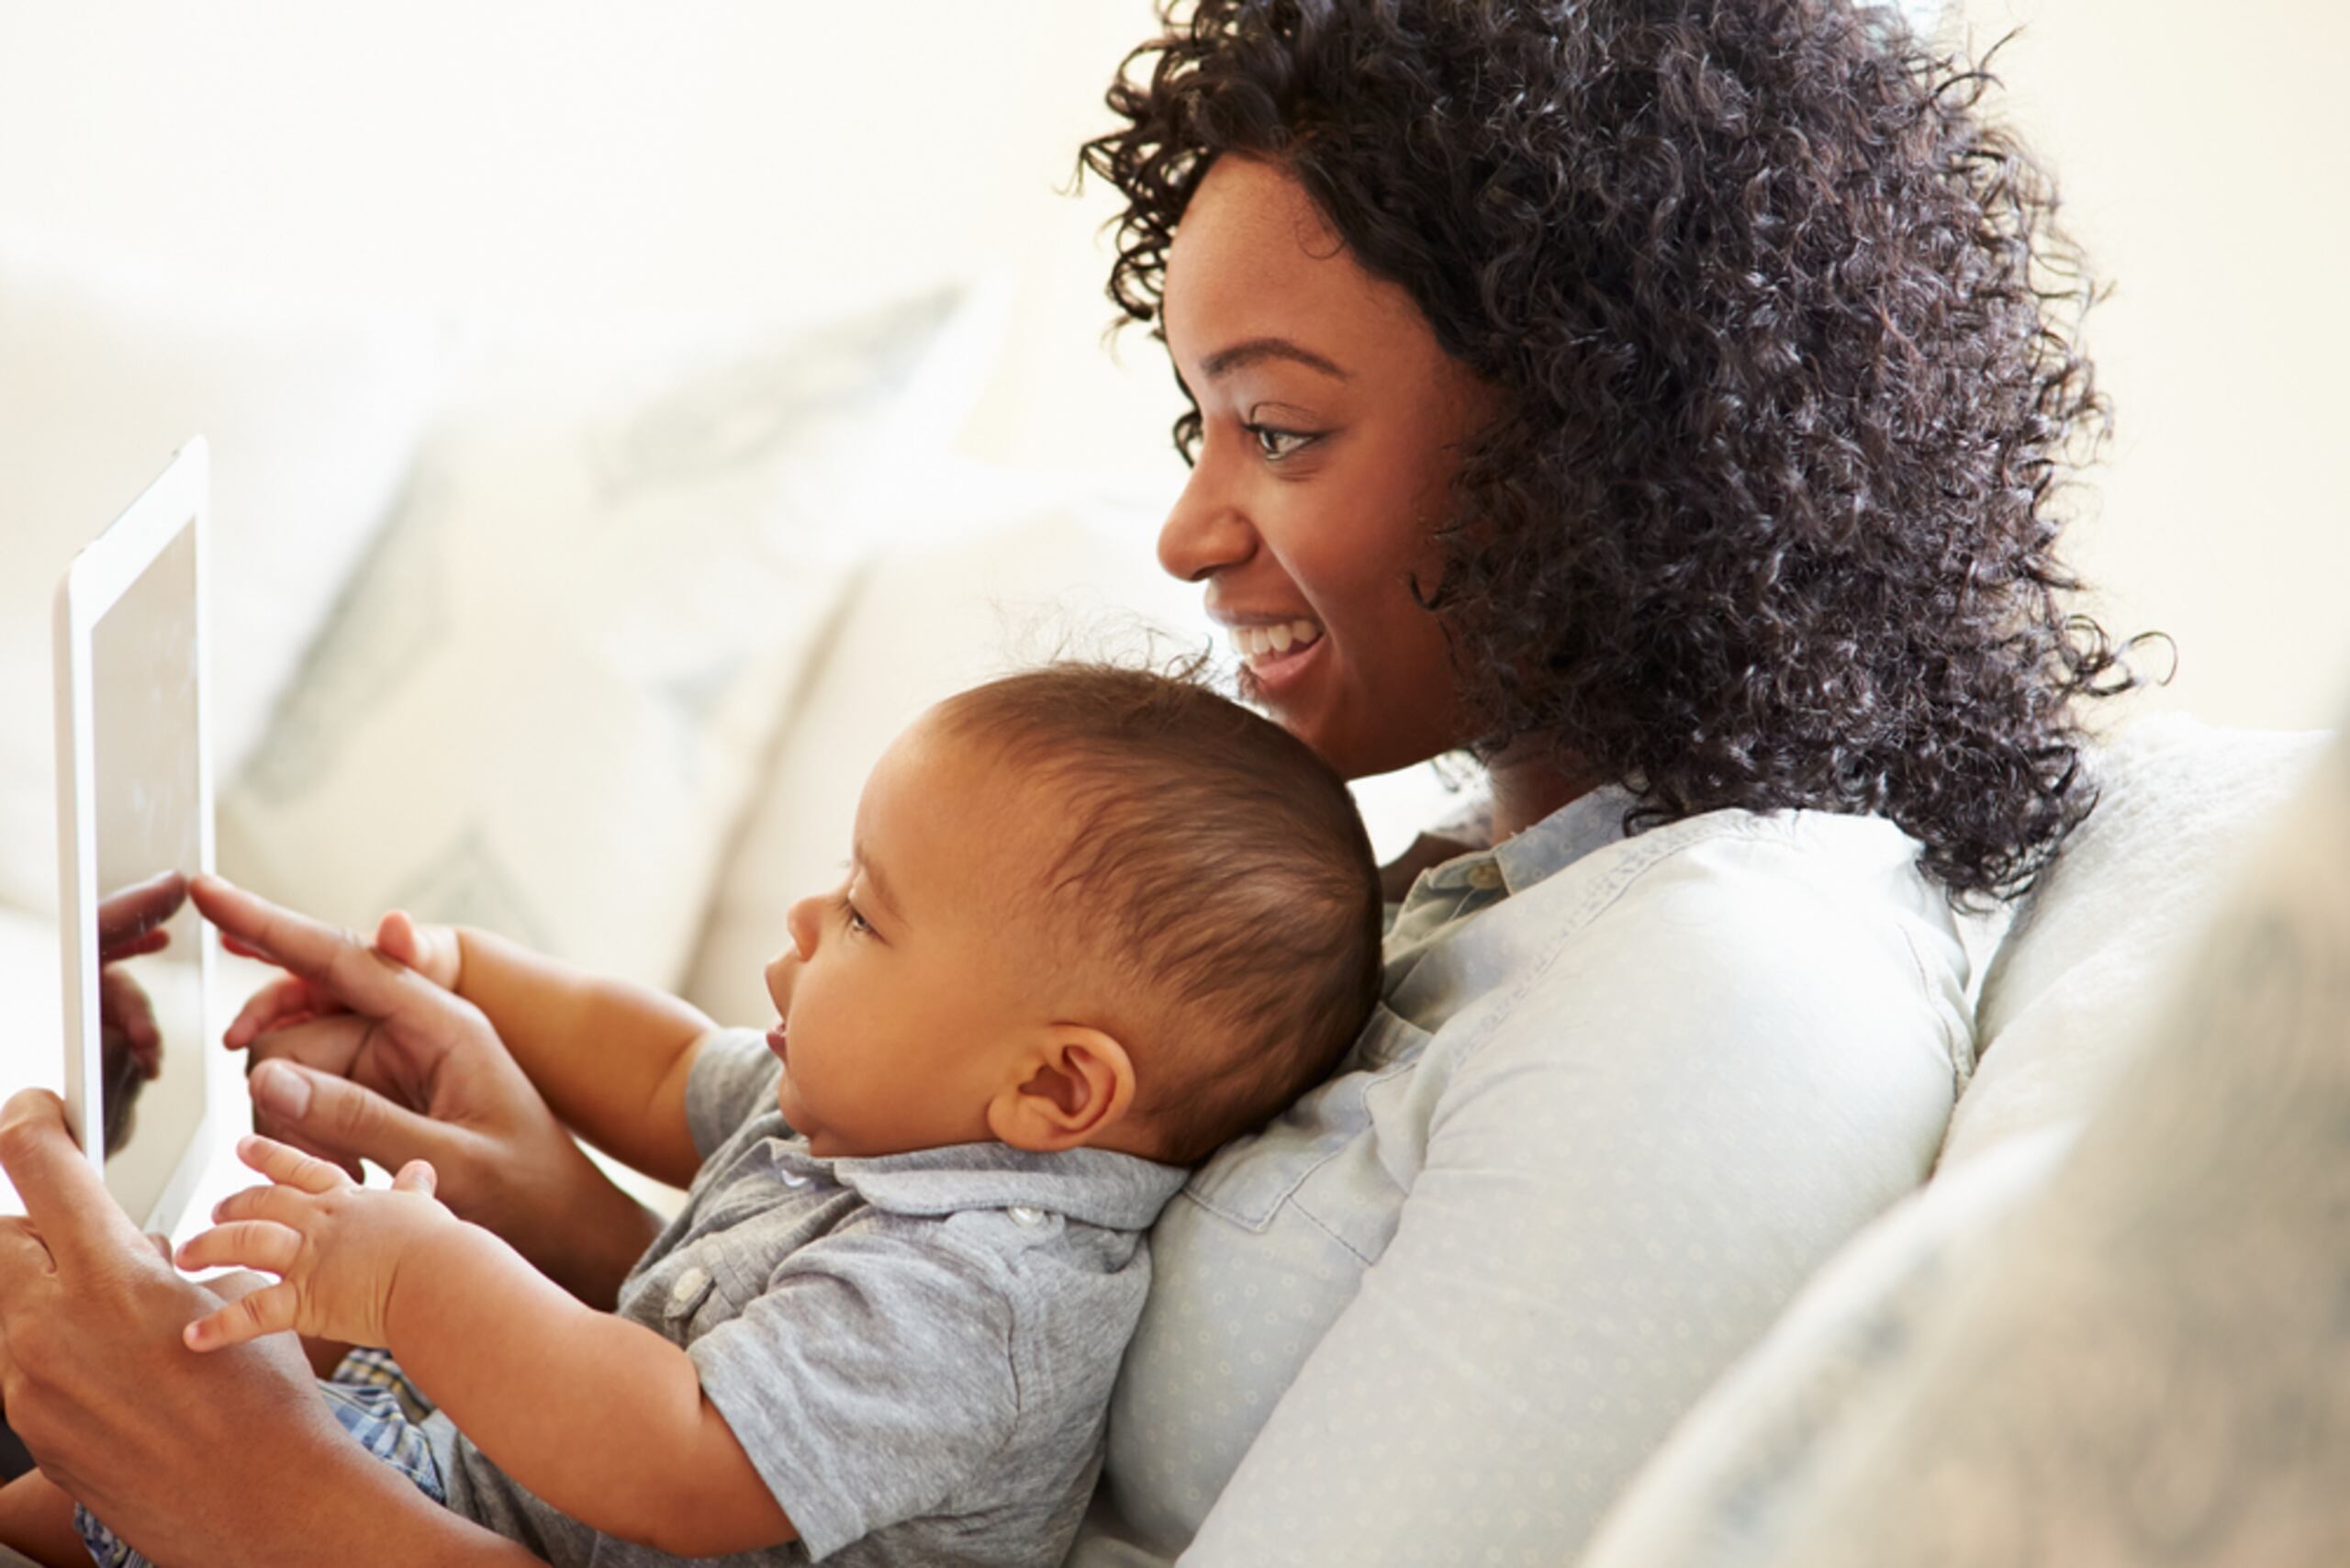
{"points": [[1221, 869]]}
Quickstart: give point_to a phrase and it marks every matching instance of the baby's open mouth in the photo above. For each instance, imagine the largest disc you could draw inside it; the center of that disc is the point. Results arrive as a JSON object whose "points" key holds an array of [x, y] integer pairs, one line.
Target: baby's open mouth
{"points": [[778, 1040]]}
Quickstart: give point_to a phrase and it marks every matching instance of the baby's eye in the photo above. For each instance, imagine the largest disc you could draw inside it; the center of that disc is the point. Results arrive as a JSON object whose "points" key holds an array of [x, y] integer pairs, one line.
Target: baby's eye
{"points": [[858, 922]]}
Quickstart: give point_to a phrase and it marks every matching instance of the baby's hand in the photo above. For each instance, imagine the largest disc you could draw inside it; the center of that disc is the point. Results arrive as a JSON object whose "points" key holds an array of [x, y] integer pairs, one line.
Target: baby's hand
{"points": [[336, 1246], [431, 951]]}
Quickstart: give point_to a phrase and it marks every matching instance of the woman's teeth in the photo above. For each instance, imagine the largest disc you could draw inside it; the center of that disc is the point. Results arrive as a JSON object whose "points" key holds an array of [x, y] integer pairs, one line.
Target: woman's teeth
{"points": [[1256, 643]]}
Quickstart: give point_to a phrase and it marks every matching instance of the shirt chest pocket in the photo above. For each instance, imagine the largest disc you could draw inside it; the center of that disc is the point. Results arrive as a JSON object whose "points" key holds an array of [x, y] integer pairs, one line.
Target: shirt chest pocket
{"points": [[691, 1291], [1321, 1151]]}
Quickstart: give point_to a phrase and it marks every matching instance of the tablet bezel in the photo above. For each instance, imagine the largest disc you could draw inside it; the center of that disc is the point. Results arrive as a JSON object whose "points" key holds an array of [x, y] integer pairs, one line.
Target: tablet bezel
{"points": [[93, 582]]}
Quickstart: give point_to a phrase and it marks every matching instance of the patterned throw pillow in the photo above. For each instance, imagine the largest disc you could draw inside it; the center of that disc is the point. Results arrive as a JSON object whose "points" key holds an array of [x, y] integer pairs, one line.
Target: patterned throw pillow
{"points": [[543, 698]]}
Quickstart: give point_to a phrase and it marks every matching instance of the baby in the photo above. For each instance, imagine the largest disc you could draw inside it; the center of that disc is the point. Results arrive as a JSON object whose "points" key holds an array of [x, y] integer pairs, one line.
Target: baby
{"points": [[1095, 922]]}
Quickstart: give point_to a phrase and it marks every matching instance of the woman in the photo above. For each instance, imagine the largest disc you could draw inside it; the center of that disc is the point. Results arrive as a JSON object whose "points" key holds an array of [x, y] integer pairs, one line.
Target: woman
{"points": [[1661, 402]]}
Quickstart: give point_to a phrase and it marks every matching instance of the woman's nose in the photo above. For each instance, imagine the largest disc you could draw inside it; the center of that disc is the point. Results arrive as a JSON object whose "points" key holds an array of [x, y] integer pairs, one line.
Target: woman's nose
{"points": [[1206, 532]]}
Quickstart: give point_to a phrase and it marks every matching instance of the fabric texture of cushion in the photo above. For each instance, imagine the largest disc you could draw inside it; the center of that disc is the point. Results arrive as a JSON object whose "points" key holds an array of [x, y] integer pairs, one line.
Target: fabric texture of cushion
{"points": [[107, 365], [2085, 969], [2144, 1362], [2083, 986], [545, 696]]}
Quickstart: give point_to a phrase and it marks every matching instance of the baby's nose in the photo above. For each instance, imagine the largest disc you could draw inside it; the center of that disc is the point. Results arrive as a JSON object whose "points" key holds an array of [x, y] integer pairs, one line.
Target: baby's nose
{"points": [[806, 918]]}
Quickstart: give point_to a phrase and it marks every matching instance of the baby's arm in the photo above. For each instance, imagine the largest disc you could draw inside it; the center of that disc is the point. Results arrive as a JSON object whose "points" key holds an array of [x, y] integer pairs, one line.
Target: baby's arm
{"points": [[603, 1419], [610, 1057]]}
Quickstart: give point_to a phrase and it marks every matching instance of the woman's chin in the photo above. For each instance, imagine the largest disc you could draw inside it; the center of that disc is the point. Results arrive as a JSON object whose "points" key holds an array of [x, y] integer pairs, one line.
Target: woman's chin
{"points": [[1292, 690]]}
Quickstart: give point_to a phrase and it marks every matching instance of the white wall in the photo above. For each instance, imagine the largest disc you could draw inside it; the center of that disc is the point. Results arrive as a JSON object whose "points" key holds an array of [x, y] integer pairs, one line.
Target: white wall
{"points": [[567, 161], [771, 155], [2198, 147]]}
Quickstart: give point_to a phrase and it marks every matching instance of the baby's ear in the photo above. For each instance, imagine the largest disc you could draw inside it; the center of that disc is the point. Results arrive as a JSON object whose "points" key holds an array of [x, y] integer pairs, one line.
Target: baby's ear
{"points": [[1078, 1083]]}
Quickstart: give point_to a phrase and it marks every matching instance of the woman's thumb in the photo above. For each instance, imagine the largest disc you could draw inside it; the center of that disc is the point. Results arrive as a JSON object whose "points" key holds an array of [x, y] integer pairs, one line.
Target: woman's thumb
{"points": [[339, 1117]]}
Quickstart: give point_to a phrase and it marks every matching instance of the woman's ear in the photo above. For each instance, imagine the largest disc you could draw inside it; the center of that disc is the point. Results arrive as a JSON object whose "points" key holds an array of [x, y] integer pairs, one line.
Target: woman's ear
{"points": [[1078, 1083]]}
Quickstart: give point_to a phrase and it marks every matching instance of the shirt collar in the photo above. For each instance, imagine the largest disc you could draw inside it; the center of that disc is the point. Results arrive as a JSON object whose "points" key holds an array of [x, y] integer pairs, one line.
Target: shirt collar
{"points": [[1589, 822], [1094, 1186]]}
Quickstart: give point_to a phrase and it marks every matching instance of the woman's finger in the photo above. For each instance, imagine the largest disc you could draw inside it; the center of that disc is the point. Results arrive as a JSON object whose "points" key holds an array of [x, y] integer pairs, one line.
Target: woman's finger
{"points": [[131, 912], [341, 1119], [344, 969], [277, 1005], [329, 1044], [137, 947], [271, 1311], [242, 1244], [79, 1223], [290, 1166]]}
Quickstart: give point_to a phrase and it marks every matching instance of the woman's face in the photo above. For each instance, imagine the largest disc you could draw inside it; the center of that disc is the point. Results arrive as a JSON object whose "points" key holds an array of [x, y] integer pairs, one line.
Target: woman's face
{"points": [[1330, 427]]}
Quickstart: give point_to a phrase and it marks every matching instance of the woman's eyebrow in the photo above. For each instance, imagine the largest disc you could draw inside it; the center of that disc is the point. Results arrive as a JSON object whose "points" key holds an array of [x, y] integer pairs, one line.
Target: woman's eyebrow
{"points": [[1226, 360]]}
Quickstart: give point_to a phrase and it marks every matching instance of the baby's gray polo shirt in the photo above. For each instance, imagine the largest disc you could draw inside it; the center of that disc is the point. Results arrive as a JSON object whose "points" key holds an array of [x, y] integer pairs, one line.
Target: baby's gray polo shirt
{"points": [[916, 1350]]}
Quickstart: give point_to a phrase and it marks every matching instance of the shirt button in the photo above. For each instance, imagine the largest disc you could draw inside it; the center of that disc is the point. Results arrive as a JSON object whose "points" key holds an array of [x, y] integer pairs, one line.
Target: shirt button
{"points": [[1485, 875], [1022, 1215], [687, 1285]]}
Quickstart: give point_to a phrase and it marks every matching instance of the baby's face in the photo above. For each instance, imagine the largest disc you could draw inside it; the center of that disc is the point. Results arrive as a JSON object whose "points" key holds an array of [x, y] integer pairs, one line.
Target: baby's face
{"points": [[904, 996]]}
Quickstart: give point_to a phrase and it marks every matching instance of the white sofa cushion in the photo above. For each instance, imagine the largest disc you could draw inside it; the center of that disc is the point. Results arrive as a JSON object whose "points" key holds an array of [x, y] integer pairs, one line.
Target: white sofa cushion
{"points": [[542, 701], [2081, 976], [2082, 987], [108, 364]]}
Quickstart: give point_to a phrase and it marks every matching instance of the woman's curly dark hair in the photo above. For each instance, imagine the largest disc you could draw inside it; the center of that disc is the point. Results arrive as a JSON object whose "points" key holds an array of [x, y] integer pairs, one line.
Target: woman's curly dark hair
{"points": [[1787, 339]]}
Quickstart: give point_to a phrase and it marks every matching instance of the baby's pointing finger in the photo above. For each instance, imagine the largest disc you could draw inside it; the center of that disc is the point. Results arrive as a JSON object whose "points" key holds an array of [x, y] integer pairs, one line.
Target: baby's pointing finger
{"points": [[247, 1244], [281, 1162], [279, 1205], [249, 1316]]}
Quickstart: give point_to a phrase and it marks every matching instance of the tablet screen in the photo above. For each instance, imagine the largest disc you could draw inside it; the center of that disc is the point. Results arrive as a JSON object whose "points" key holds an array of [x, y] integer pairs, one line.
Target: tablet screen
{"points": [[147, 800]]}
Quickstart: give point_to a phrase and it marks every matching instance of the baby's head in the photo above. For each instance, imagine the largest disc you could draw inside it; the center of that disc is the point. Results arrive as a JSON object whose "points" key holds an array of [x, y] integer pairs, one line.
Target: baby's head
{"points": [[1085, 907]]}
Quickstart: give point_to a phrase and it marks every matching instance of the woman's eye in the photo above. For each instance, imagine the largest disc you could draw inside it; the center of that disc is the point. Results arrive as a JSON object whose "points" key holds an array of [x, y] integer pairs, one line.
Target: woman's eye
{"points": [[1275, 443]]}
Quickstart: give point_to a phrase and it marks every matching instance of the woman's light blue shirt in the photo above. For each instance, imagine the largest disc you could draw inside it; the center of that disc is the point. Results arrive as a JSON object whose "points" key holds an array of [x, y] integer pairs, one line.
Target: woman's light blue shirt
{"points": [[1621, 1096]]}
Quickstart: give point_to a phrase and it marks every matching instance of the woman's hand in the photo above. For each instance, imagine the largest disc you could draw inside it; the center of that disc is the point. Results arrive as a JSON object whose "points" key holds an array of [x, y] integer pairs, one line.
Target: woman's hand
{"points": [[394, 1068], [432, 951], [93, 1376], [226, 1460]]}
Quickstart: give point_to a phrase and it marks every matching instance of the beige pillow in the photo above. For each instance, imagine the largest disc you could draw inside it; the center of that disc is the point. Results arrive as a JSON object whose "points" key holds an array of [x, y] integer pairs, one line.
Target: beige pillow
{"points": [[541, 705]]}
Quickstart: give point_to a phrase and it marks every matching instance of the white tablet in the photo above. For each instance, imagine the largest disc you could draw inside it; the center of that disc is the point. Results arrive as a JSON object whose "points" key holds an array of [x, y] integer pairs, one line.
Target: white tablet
{"points": [[134, 805]]}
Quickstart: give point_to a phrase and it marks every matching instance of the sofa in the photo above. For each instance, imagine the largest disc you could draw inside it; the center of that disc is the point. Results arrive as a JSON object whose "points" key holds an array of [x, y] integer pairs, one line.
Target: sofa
{"points": [[594, 640]]}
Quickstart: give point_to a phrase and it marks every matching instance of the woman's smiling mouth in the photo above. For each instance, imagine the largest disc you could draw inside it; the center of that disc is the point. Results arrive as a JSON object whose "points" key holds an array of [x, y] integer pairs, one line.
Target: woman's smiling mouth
{"points": [[1275, 654]]}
